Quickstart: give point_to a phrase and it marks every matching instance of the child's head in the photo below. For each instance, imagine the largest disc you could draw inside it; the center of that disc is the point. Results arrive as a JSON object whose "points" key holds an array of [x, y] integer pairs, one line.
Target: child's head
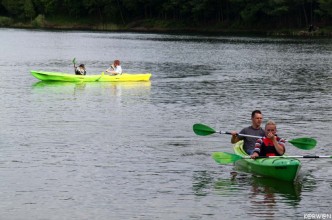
{"points": [[117, 62]]}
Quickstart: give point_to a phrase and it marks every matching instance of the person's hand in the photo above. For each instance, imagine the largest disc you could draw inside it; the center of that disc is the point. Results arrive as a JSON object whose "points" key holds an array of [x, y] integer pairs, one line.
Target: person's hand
{"points": [[270, 136], [234, 133], [254, 155]]}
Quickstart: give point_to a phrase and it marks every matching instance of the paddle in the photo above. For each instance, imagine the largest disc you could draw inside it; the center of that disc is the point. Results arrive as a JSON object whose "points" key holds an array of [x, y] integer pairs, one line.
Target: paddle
{"points": [[304, 143], [101, 75], [226, 158], [74, 62]]}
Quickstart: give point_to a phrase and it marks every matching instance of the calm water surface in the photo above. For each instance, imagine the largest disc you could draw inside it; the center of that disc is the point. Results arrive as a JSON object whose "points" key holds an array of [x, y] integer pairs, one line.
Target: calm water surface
{"points": [[127, 150]]}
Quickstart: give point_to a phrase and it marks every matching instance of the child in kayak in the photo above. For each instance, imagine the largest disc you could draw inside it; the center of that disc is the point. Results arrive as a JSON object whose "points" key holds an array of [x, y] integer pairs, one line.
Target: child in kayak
{"points": [[270, 144], [80, 70], [115, 68]]}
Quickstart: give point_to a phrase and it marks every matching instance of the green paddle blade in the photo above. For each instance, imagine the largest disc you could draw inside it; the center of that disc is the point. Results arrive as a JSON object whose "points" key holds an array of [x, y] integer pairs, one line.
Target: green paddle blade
{"points": [[225, 158], [74, 60], [304, 143], [203, 130]]}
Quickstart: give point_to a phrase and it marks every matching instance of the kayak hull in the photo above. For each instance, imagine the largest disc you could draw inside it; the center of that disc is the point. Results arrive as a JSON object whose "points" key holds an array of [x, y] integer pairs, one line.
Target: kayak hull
{"points": [[285, 169], [65, 77]]}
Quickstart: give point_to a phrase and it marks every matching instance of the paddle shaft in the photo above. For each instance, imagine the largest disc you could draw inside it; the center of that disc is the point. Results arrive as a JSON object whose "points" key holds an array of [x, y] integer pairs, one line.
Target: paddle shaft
{"points": [[102, 74], [74, 62], [302, 143], [244, 135], [306, 156]]}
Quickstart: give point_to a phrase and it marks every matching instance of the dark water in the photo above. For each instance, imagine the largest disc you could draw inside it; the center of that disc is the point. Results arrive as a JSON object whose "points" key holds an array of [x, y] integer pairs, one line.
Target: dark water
{"points": [[127, 150]]}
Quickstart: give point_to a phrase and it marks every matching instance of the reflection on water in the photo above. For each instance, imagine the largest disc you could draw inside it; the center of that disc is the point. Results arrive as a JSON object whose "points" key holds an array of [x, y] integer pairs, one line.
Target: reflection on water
{"points": [[113, 88], [202, 181], [308, 181], [290, 190], [267, 193], [259, 197], [94, 84]]}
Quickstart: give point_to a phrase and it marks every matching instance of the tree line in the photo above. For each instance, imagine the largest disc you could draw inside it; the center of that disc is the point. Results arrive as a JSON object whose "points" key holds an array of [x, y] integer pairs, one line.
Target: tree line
{"points": [[226, 13]]}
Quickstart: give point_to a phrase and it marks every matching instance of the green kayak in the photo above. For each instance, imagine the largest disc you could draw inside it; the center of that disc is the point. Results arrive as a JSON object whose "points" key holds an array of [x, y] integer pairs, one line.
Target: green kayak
{"points": [[66, 77], [278, 168]]}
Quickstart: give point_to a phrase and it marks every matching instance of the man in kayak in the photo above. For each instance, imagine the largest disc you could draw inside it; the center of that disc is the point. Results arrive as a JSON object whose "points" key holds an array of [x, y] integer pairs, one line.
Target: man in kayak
{"points": [[270, 144], [115, 68], [80, 70], [255, 129]]}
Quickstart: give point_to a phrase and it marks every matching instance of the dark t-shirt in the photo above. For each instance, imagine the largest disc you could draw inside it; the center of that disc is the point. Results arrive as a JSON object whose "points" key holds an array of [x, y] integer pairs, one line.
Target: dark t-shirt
{"points": [[249, 142]]}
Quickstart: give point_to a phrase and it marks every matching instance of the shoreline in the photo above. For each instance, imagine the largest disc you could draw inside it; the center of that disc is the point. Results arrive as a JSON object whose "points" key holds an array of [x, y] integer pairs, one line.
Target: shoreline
{"points": [[147, 26]]}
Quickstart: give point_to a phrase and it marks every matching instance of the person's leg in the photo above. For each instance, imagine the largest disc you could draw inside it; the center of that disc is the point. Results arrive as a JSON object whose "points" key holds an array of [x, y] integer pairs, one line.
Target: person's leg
{"points": [[249, 152]]}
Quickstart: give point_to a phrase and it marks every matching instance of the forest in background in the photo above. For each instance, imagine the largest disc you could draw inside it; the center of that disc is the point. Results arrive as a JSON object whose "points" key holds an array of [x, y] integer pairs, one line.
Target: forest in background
{"points": [[218, 15]]}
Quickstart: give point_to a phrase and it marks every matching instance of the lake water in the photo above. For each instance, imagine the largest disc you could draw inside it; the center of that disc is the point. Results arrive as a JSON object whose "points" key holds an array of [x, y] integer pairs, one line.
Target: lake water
{"points": [[127, 150]]}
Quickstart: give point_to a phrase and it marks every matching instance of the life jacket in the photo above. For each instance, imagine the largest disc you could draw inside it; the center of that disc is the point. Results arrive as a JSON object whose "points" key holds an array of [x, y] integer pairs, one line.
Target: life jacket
{"points": [[267, 147], [78, 71]]}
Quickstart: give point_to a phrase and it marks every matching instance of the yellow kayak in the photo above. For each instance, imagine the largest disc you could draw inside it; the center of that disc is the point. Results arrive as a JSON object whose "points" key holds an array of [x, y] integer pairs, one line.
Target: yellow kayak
{"points": [[66, 77]]}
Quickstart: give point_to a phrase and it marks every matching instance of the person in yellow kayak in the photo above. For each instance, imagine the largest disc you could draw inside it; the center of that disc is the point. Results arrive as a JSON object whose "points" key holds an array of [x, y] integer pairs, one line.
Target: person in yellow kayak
{"points": [[270, 144], [255, 129], [80, 70], [115, 68]]}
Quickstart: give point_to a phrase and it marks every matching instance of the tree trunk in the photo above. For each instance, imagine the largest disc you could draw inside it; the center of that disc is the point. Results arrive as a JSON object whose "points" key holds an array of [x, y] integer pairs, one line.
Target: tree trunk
{"points": [[305, 15]]}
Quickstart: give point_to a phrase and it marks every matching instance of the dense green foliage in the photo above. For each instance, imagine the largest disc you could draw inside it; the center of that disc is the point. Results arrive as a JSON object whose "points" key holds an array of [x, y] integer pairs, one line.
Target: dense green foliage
{"points": [[224, 13]]}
